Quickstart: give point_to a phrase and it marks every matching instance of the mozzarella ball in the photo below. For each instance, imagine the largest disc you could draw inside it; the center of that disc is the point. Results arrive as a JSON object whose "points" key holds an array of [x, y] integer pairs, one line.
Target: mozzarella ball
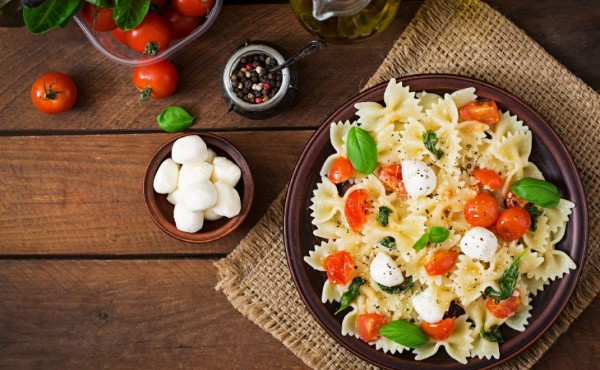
{"points": [[228, 200], [189, 149], [427, 306], [167, 175], [225, 170], [174, 197], [211, 156], [210, 215], [194, 172], [186, 220], [479, 243], [199, 196], [384, 270], [419, 179]]}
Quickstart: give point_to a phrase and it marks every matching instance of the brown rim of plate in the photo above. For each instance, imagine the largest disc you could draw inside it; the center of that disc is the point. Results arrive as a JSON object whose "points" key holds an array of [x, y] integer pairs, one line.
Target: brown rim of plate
{"points": [[161, 211], [548, 152]]}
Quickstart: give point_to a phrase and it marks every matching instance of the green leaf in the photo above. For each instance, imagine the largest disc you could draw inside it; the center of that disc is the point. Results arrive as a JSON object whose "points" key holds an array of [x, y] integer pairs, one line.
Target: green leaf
{"points": [[383, 215], [438, 234], [404, 333], [100, 3], [534, 213], [174, 119], [494, 335], [362, 150], [409, 284], [430, 139], [507, 281], [350, 295], [539, 192], [49, 15], [422, 242], [389, 242], [68, 20], [129, 13]]}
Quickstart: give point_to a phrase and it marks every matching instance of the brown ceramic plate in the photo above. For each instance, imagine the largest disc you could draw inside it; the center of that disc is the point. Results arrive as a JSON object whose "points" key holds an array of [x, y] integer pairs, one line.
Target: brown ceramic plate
{"points": [[161, 211], [548, 153]]}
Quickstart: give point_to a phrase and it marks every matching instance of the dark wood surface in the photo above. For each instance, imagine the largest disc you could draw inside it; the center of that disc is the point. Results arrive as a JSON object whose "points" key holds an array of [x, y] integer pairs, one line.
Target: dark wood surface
{"points": [[88, 281]]}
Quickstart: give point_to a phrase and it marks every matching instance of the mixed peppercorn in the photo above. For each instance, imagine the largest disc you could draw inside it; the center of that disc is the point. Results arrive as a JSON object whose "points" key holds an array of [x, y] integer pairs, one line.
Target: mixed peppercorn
{"points": [[251, 80]]}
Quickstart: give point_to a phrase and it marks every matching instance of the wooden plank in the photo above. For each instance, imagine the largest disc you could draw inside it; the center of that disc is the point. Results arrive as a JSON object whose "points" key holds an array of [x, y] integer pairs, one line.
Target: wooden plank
{"points": [[83, 194]]}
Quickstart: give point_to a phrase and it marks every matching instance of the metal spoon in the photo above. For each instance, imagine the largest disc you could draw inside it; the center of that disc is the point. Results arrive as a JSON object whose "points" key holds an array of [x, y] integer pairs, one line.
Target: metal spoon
{"points": [[311, 48]]}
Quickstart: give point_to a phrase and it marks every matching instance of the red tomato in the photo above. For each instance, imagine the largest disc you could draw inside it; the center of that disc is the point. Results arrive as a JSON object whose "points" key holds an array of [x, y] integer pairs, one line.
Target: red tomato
{"points": [[341, 170], [506, 307], [488, 178], [181, 25], [513, 200], [482, 111], [441, 262], [356, 207], [53, 92], [392, 177], [120, 35], [193, 8], [339, 267], [439, 330], [151, 36], [513, 223], [104, 18], [482, 210], [157, 80], [368, 325]]}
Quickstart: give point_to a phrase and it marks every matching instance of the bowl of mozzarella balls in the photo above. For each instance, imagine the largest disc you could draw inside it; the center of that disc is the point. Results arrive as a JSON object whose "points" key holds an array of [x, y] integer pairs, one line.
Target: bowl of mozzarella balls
{"points": [[198, 187]]}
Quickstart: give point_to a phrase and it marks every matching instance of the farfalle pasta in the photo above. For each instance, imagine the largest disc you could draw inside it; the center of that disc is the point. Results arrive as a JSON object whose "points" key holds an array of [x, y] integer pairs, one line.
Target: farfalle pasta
{"points": [[441, 241]]}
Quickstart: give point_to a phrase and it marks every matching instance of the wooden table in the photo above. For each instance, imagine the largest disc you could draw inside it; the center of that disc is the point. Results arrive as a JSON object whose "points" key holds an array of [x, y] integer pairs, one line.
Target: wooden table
{"points": [[88, 281]]}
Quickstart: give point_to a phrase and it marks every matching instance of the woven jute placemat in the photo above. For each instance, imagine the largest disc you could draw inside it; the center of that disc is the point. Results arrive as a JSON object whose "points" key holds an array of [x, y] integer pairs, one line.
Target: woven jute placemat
{"points": [[452, 36]]}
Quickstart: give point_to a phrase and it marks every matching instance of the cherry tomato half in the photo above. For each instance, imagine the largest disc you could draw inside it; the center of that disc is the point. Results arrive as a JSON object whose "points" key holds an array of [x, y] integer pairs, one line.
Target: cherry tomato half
{"points": [[439, 330], [104, 18], [156, 80], [180, 25], [482, 111], [391, 176], [120, 35], [53, 92], [193, 8], [368, 325], [506, 307], [488, 178], [513, 223], [355, 209], [151, 36], [339, 267], [341, 170], [441, 262], [482, 210]]}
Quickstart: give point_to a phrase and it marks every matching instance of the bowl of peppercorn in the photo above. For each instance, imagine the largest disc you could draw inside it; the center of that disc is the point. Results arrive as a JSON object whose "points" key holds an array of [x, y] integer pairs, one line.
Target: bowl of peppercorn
{"points": [[250, 89]]}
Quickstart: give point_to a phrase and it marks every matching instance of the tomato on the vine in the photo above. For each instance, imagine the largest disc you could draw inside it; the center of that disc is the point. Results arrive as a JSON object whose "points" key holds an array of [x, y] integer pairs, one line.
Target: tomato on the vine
{"points": [[180, 24], [53, 92], [193, 8], [341, 170], [156, 80], [151, 36], [120, 35], [339, 267], [368, 325], [391, 176], [513, 223], [441, 262], [355, 209], [439, 330], [506, 307], [104, 21], [482, 210]]}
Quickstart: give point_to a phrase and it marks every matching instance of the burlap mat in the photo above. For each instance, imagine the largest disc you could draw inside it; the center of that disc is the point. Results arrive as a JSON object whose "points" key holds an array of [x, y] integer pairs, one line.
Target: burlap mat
{"points": [[461, 37]]}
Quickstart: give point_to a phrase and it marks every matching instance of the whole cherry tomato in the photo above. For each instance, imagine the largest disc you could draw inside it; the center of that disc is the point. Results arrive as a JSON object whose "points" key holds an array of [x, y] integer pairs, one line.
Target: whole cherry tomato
{"points": [[151, 36], [482, 210], [355, 209], [104, 21], [181, 25], [156, 80], [341, 170], [439, 330], [193, 8], [368, 325], [391, 176], [482, 111], [120, 35], [53, 92], [506, 307], [513, 223], [441, 262], [489, 179], [339, 267]]}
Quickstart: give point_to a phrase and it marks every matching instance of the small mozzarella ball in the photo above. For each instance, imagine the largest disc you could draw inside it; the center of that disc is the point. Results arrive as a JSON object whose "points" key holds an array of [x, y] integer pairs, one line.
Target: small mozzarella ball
{"points": [[199, 196], [479, 243], [426, 305], [186, 220], [225, 170], [167, 175], [210, 215], [228, 200], [189, 149], [174, 197], [211, 156], [194, 172], [419, 179], [385, 271]]}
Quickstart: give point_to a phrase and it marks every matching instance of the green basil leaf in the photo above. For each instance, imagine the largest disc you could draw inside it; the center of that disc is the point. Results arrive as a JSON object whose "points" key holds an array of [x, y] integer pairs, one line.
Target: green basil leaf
{"points": [[389, 242], [129, 13], [49, 15], [539, 192], [534, 213], [494, 335], [430, 139], [350, 295], [507, 282], [100, 3], [438, 234], [408, 284], [174, 119], [383, 215], [404, 333], [68, 20], [422, 242], [362, 150]]}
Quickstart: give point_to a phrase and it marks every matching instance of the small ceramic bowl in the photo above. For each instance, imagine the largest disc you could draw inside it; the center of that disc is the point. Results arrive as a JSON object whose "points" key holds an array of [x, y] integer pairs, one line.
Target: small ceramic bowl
{"points": [[161, 211]]}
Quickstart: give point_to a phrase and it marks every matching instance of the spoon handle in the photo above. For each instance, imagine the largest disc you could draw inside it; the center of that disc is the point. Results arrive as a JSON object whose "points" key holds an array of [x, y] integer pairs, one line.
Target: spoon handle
{"points": [[312, 47]]}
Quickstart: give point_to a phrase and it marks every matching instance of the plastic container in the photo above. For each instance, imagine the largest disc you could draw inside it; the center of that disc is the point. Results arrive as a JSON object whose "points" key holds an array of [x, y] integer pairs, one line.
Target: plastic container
{"points": [[113, 50]]}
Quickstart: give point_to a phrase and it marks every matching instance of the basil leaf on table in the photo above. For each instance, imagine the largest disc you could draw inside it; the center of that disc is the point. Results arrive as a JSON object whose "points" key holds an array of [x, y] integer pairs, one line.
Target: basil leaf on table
{"points": [[494, 335], [362, 150], [389, 242], [350, 295], [404, 333], [422, 242], [49, 15], [430, 139], [438, 234], [398, 288], [129, 13], [383, 215], [174, 119], [539, 192], [534, 213], [507, 281]]}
